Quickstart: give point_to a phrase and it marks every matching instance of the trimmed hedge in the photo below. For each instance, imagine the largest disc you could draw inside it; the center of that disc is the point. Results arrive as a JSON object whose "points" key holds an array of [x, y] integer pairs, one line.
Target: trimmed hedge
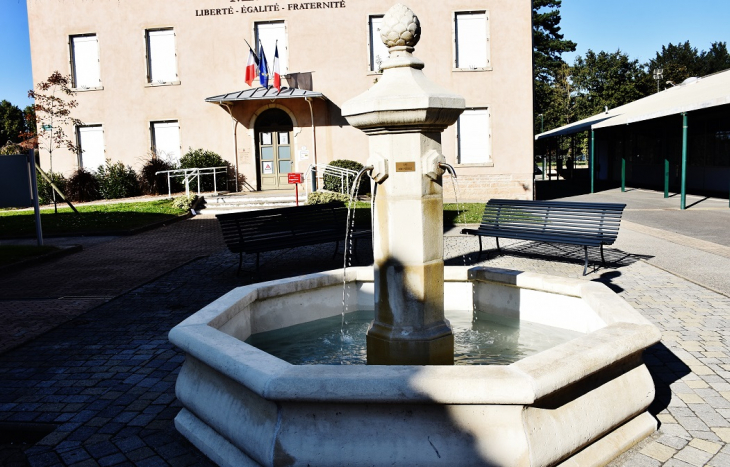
{"points": [[333, 183]]}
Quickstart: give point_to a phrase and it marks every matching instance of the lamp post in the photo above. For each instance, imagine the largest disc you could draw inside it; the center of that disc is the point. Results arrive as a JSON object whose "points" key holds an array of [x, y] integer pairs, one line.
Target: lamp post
{"points": [[658, 76]]}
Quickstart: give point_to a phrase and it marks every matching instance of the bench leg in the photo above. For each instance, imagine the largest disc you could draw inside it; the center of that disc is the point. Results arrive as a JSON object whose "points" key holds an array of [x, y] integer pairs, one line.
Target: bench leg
{"points": [[603, 260], [480, 245], [240, 262], [337, 247], [499, 250], [585, 267]]}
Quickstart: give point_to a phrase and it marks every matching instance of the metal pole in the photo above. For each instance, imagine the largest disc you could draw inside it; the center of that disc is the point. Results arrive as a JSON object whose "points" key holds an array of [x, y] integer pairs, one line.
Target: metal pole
{"points": [[34, 187], [666, 176], [591, 167], [623, 162], [198, 172], [169, 187], [215, 186], [683, 202]]}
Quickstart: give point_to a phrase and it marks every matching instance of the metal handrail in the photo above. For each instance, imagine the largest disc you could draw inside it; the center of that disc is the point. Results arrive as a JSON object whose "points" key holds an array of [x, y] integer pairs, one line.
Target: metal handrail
{"points": [[345, 175], [189, 174]]}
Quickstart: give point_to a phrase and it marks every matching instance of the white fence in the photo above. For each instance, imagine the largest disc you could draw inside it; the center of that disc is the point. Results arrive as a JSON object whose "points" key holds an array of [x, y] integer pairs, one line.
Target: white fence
{"points": [[192, 174]]}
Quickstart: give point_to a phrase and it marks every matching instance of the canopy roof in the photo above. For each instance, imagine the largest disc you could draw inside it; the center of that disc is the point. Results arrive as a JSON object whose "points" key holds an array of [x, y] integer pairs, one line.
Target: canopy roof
{"points": [[264, 94], [692, 94]]}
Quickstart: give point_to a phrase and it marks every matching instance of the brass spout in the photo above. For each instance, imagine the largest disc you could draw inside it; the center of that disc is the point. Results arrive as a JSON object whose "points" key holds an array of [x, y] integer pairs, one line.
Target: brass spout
{"points": [[448, 168]]}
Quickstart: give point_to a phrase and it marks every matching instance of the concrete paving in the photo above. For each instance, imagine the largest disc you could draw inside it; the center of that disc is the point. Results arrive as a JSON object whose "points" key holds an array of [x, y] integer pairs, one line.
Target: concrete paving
{"points": [[98, 389]]}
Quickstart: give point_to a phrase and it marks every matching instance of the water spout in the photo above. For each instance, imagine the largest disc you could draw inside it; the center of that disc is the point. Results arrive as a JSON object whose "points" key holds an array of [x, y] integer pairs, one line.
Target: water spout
{"points": [[448, 168]]}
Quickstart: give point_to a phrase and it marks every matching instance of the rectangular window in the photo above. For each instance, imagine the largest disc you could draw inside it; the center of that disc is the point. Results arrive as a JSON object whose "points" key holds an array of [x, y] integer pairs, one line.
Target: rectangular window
{"points": [[473, 133], [472, 40], [161, 56], [271, 33], [90, 140], [378, 50], [166, 140], [85, 62]]}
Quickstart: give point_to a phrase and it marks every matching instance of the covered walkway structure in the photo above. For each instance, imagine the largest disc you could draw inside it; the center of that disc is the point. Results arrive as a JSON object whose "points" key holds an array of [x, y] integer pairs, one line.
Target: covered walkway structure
{"points": [[677, 140]]}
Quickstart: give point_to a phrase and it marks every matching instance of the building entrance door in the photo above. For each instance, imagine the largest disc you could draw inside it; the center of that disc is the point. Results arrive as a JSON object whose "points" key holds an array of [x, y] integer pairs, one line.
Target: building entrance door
{"points": [[274, 153]]}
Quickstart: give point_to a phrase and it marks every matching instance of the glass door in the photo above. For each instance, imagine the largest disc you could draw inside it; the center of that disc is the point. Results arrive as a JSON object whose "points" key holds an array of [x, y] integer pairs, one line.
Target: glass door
{"points": [[275, 159]]}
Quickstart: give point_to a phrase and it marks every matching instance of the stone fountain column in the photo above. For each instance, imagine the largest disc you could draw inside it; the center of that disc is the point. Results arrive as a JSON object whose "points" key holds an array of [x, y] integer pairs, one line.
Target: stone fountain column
{"points": [[404, 115]]}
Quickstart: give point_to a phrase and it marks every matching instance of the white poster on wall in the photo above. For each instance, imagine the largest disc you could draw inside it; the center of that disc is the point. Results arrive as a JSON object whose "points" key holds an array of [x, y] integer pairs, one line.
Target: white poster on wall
{"points": [[303, 153]]}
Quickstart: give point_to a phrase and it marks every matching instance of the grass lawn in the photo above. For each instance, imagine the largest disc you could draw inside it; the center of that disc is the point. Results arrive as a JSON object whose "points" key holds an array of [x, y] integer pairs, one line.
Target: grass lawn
{"points": [[97, 218], [13, 253]]}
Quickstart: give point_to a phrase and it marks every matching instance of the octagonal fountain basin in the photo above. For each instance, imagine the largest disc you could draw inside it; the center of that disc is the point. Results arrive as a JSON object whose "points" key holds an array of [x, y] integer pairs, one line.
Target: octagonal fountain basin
{"points": [[581, 402]]}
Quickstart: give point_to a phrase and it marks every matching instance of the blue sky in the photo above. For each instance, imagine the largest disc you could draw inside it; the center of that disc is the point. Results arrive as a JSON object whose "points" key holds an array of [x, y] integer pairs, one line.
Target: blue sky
{"points": [[637, 27]]}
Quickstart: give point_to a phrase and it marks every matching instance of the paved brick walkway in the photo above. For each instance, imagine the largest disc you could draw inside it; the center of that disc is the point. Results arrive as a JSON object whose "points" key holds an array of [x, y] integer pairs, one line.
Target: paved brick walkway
{"points": [[36, 299], [102, 384]]}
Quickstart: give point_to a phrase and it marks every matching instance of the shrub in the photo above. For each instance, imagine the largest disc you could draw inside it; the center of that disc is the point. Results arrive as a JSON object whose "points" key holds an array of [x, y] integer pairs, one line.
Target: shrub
{"points": [[324, 197], [82, 186], [184, 202], [11, 148], [202, 158], [334, 183], [152, 184], [117, 181], [45, 192]]}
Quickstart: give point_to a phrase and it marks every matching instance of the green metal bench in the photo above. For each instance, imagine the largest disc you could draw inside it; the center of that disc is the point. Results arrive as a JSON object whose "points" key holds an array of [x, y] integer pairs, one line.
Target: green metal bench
{"points": [[282, 228], [572, 223]]}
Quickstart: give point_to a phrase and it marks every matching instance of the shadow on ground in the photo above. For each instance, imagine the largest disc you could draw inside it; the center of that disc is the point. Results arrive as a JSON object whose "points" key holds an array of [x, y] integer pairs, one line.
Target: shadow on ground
{"points": [[615, 258]]}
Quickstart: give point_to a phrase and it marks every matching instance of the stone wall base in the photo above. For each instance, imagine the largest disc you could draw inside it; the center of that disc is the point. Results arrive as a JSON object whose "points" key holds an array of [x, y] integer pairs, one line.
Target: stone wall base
{"points": [[482, 187]]}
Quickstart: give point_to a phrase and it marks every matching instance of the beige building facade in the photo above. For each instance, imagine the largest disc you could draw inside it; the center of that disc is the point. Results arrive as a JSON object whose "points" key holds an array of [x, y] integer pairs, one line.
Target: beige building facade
{"points": [[158, 76]]}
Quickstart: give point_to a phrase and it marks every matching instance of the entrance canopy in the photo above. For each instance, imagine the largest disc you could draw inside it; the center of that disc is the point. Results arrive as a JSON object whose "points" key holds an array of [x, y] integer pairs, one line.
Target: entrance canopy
{"points": [[264, 94]]}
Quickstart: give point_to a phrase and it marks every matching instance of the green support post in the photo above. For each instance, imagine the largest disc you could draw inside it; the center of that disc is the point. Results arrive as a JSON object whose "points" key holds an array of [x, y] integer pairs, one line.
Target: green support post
{"points": [[666, 177], [592, 167], [683, 202]]}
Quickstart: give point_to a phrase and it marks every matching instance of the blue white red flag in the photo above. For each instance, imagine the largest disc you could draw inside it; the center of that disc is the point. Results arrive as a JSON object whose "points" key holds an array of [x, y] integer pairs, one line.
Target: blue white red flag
{"points": [[277, 75], [251, 66]]}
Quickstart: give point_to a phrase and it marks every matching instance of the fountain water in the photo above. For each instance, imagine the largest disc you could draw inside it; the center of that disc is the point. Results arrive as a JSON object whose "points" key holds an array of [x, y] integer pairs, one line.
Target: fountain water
{"points": [[579, 403]]}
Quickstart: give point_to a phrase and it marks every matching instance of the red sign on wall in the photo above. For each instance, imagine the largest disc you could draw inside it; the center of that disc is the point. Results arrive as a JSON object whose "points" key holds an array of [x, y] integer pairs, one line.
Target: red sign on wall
{"points": [[296, 177]]}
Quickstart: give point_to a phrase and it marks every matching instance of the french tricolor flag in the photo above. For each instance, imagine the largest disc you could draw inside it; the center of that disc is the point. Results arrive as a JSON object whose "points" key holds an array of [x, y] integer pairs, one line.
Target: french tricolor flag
{"points": [[251, 67], [277, 75]]}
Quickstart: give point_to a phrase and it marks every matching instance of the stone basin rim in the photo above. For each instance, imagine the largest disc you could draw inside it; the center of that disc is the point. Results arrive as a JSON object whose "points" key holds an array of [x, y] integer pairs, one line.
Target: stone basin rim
{"points": [[624, 337]]}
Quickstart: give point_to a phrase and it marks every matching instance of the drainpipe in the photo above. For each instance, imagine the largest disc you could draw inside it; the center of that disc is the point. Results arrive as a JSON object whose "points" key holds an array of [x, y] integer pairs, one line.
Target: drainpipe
{"points": [[235, 140], [592, 166], [314, 141], [683, 202]]}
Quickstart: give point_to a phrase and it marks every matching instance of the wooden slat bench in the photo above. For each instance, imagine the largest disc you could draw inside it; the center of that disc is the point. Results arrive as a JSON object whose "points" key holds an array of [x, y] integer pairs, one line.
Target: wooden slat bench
{"points": [[572, 223], [282, 228]]}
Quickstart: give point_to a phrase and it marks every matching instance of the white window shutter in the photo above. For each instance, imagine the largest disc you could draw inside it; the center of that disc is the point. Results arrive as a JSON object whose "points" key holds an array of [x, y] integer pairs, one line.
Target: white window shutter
{"points": [[166, 136], [91, 147], [471, 40], [86, 62], [269, 34], [378, 50], [473, 133], [162, 62]]}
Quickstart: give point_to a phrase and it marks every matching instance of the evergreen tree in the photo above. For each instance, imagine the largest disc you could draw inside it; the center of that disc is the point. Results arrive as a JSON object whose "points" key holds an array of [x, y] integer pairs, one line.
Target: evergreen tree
{"points": [[607, 80], [548, 46], [12, 123]]}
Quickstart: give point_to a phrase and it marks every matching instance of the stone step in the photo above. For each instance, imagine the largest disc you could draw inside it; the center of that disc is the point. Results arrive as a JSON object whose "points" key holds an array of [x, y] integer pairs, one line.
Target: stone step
{"points": [[239, 203]]}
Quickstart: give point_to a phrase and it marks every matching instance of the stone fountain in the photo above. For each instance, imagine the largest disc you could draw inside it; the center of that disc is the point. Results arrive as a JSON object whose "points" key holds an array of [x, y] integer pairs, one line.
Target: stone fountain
{"points": [[580, 403]]}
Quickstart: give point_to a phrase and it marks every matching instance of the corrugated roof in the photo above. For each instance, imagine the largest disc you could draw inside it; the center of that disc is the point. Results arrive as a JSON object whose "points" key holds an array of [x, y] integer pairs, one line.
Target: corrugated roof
{"points": [[264, 93], [693, 94]]}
